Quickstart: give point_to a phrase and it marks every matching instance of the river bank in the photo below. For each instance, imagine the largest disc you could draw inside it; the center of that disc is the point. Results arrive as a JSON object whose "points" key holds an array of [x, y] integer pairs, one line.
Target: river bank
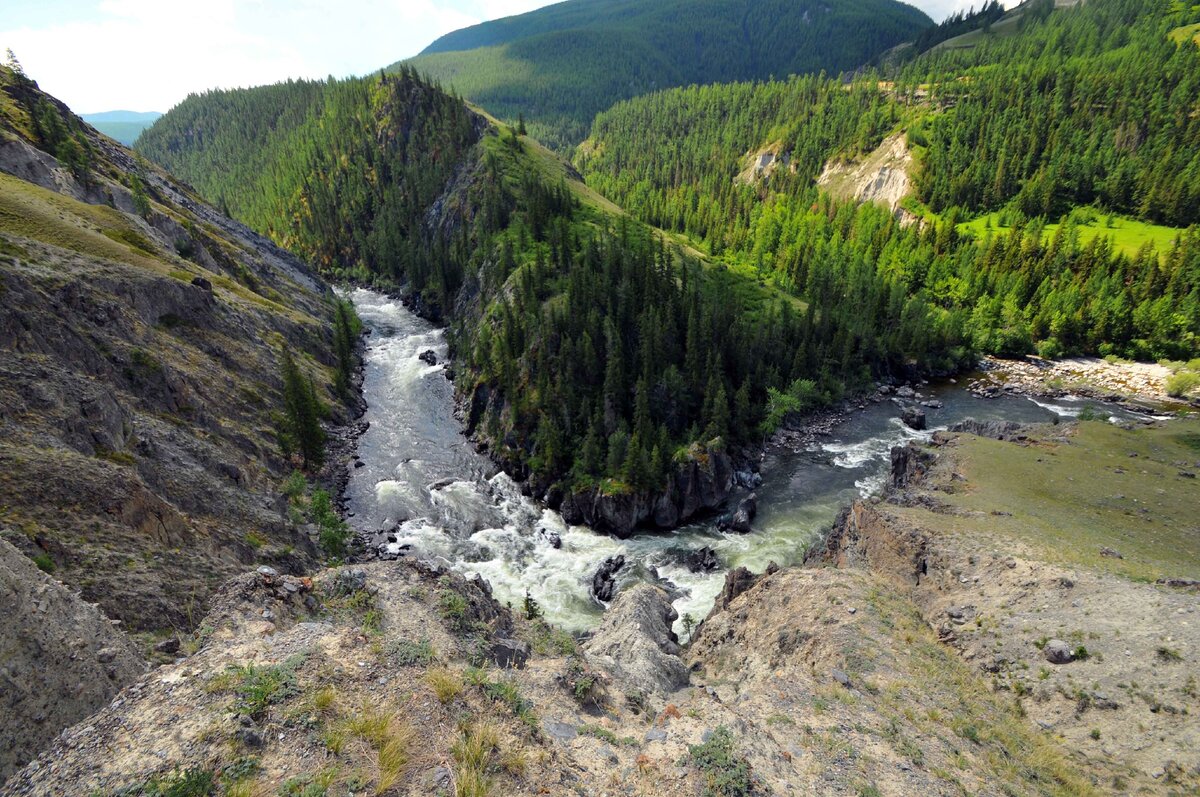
{"points": [[1137, 387]]}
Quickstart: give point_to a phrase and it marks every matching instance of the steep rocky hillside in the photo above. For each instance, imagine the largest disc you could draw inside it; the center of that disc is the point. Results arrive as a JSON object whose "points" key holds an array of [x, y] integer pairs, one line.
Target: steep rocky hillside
{"points": [[141, 332], [60, 659], [926, 661], [1073, 593]]}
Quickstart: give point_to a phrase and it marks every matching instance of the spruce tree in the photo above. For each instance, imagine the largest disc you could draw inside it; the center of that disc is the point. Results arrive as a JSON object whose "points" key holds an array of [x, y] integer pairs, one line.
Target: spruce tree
{"points": [[302, 432]]}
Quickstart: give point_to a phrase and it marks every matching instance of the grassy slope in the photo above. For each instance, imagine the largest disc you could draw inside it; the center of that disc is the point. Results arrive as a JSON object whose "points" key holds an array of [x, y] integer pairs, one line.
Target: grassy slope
{"points": [[1186, 33], [1069, 500], [1127, 235]]}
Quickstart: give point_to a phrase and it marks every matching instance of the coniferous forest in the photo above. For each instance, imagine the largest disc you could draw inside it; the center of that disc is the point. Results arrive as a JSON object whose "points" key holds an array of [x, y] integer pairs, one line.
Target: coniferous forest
{"points": [[605, 350]]}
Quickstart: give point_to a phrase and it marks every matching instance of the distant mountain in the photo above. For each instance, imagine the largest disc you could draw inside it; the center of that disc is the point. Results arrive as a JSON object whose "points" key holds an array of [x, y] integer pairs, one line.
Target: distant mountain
{"points": [[122, 126], [561, 65]]}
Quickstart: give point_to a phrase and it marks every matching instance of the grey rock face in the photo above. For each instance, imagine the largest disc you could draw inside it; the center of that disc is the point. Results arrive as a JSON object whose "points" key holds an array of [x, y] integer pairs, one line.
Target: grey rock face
{"points": [[745, 513], [703, 560], [909, 463], [510, 653], [60, 659], [636, 645], [604, 582], [996, 430]]}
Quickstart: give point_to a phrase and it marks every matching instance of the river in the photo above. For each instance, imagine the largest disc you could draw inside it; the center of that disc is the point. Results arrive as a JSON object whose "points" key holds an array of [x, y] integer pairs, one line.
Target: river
{"points": [[422, 481]]}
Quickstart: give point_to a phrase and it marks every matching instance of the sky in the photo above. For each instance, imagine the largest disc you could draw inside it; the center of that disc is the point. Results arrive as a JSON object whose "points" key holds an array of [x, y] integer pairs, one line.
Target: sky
{"points": [[147, 55]]}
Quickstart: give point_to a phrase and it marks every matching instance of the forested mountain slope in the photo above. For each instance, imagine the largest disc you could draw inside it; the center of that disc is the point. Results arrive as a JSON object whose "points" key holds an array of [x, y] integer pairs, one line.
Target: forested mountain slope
{"points": [[561, 65], [599, 359], [1087, 106]]}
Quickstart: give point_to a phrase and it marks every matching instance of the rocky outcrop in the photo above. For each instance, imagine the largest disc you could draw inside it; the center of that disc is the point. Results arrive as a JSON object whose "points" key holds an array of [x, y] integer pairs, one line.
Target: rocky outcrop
{"points": [[60, 659], [745, 514], [909, 463], [636, 645], [881, 176], [1008, 431], [737, 581], [604, 582], [701, 484], [702, 560]]}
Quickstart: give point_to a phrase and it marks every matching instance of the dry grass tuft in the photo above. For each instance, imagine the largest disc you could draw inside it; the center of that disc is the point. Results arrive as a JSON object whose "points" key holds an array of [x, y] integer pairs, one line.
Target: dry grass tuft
{"points": [[446, 683]]}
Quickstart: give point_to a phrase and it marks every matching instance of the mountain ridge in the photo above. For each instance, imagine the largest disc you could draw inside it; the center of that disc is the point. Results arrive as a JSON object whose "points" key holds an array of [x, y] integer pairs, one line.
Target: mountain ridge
{"points": [[560, 65]]}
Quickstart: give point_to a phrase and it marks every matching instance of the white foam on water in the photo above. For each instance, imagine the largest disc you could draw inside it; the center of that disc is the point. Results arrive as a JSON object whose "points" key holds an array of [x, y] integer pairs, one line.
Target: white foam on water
{"points": [[1058, 409], [557, 578], [877, 448], [872, 485]]}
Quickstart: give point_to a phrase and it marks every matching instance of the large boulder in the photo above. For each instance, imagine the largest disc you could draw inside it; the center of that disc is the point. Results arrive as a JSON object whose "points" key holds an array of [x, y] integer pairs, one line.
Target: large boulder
{"points": [[1057, 651], [745, 513], [604, 582], [913, 418], [636, 645], [1007, 431]]}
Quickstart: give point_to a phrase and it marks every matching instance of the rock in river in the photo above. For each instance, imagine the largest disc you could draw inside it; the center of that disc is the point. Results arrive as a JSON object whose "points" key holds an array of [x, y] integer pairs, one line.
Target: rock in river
{"points": [[604, 583], [913, 417]]}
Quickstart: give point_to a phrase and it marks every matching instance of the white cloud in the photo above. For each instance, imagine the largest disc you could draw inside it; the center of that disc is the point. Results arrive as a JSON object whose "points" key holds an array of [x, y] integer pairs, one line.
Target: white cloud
{"points": [[141, 55], [149, 54]]}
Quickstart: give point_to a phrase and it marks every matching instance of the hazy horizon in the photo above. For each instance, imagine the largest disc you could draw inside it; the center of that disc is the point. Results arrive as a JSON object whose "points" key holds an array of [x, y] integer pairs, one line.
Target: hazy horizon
{"points": [[148, 55]]}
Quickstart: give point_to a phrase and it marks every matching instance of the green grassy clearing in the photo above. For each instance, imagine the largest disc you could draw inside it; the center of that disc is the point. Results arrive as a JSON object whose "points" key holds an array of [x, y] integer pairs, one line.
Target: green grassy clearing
{"points": [[1186, 33], [94, 230], [1070, 500], [1127, 235]]}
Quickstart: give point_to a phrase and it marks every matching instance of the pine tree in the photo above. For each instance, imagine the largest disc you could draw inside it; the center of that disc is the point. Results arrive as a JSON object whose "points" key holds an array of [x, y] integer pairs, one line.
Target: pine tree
{"points": [[302, 432]]}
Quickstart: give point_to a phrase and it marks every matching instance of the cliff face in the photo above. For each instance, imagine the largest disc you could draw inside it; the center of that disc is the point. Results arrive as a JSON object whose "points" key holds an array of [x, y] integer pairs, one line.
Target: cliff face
{"points": [[701, 484]]}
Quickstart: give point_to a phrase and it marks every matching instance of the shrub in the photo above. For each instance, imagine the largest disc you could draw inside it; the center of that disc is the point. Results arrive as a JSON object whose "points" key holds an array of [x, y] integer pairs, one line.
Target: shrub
{"points": [[454, 609], [408, 653], [1050, 349], [260, 687], [191, 782], [1183, 384], [1166, 654], [726, 774]]}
